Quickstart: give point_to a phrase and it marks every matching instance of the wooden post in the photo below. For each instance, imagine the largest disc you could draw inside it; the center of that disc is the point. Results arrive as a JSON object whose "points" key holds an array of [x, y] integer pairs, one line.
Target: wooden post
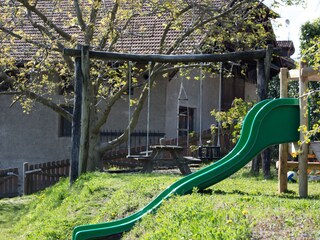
{"points": [[25, 182], [261, 80], [267, 61], [265, 155], [283, 148], [303, 156], [261, 90], [85, 110], [76, 121]]}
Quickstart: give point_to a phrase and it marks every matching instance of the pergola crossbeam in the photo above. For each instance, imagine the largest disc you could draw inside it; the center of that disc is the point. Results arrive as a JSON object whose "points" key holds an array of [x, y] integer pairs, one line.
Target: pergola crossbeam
{"points": [[184, 58]]}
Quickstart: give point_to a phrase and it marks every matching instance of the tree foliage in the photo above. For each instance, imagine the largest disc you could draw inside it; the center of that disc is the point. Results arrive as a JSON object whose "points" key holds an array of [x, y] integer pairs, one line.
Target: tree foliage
{"points": [[230, 121], [310, 42], [310, 50], [34, 33]]}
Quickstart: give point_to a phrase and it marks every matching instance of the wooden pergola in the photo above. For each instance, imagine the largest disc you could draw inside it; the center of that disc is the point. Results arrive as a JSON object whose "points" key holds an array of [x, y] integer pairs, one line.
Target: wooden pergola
{"points": [[83, 54]]}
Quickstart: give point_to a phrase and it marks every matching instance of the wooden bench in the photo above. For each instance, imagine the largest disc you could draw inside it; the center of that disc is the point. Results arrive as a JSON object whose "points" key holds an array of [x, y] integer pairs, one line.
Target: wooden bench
{"points": [[191, 159], [292, 165], [158, 157]]}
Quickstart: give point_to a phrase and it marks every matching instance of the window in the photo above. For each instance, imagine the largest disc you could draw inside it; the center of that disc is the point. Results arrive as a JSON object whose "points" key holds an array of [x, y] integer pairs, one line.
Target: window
{"points": [[186, 116], [65, 127]]}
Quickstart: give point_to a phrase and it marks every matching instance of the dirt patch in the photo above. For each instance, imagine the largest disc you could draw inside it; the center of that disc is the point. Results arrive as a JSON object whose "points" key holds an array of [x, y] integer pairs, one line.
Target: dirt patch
{"points": [[279, 227]]}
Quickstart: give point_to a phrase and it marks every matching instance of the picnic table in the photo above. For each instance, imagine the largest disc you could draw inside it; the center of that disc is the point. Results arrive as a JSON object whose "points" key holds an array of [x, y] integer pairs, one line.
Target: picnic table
{"points": [[166, 155]]}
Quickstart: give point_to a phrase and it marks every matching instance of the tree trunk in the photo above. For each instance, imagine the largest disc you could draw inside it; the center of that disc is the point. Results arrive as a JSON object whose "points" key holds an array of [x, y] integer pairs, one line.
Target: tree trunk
{"points": [[256, 165], [94, 161], [265, 155]]}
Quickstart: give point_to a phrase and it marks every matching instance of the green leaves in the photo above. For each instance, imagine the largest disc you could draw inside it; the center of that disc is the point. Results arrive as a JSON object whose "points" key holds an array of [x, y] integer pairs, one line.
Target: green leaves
{"points": [[232, 119]]}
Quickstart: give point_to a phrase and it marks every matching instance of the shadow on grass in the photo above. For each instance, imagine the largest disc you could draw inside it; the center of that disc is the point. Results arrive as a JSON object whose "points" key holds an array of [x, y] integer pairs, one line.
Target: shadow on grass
{"points": [[288, 195]]}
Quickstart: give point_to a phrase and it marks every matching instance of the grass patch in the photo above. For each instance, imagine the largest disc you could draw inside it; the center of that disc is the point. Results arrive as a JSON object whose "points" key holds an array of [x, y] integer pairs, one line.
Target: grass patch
{"points": [[11, 210], [95, 197], [240, 207]]}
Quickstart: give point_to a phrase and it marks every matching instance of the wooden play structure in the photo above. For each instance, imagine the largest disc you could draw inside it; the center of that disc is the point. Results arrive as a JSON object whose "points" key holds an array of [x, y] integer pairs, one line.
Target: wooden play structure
{"points": [[303, 75]]}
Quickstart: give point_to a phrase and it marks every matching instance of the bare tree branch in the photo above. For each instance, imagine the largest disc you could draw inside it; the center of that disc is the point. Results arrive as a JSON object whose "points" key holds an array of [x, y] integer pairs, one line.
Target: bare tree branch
{"points": [[44, 101], [116, 38], [108, 108], [48, 103], [93, 18], [201, 23], [79, 15], [134, 120], [104, 38], [33, 9], [169, 25], [10, 93], [17, 36]]}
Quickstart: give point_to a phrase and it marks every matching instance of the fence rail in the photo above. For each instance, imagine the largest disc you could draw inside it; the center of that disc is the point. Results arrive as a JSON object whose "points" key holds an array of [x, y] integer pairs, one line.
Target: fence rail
{"points": [[39, 176], [9, 182]]}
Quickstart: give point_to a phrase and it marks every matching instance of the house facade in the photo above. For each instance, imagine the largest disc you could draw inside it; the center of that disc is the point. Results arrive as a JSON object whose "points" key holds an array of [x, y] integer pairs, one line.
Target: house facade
{"points": [[43, 135]]}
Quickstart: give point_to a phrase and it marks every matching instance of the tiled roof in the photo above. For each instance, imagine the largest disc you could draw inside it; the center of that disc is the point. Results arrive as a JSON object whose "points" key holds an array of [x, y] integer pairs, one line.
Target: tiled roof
{"points": [[143, 35], [286, 45]]}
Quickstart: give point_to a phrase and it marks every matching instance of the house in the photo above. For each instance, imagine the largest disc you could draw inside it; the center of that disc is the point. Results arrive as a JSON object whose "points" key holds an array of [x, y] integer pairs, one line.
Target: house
{"points": [[42, 135]]}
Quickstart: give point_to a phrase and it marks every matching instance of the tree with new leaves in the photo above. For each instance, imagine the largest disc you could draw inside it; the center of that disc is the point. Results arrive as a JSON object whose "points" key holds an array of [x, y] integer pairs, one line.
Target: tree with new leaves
{"points": [[34, 33], [310, 52]]}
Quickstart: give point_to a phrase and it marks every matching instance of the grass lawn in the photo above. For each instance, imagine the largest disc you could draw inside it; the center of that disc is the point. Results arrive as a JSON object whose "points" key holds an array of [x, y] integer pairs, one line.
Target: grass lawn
{"points": [[240, 207]]}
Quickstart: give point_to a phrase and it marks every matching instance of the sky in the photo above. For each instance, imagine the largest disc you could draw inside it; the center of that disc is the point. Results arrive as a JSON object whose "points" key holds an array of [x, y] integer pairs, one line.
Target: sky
{"points": [[287, 27]]}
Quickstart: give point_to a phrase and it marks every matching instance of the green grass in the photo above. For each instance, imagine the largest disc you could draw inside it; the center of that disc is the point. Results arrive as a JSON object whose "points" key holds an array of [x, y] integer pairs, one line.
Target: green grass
{"points": [[240, 207], [10, 211]]}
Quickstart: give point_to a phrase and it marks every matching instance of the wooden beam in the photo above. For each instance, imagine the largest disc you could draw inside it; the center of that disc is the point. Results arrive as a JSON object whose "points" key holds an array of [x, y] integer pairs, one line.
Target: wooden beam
{"points": [[85, 109], [313, 78], [294, 74], [283, 148], [76, 122], [308, 73], [311, 165], [184, 58], [267, 61], [303, 156]]}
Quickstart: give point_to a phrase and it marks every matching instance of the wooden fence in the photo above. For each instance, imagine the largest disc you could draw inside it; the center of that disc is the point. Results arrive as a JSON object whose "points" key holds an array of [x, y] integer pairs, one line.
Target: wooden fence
{"points": [[9, 182], [39, 176]]}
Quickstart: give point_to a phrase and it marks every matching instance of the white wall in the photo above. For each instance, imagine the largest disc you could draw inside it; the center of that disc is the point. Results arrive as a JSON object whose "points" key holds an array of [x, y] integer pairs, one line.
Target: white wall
{"points": [[119, 115], [29, 137], [251, 92], [192, 87]]}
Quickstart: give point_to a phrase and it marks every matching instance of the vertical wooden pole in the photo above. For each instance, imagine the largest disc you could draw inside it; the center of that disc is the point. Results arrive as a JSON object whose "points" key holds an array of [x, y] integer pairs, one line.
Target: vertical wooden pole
{"points": [[261, 91], [265, 155], [76, 121], [303, 156], [25, 180], [261, 80], [283, 148], [267, 61], [85, 110]]}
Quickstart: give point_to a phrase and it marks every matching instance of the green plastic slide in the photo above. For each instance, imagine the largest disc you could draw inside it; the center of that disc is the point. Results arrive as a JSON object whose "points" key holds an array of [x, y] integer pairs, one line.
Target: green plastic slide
{"points": [[269, 122]]}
